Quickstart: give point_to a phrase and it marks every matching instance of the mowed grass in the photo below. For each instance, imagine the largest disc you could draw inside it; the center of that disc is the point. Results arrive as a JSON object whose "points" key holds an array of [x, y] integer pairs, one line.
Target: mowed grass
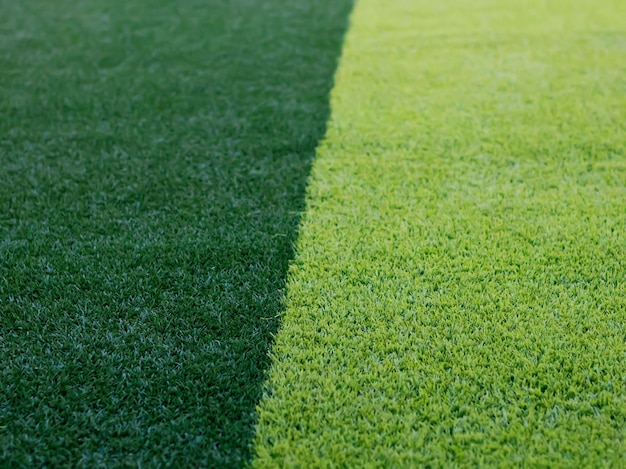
{"points": [[153, 160], [459, 293]]}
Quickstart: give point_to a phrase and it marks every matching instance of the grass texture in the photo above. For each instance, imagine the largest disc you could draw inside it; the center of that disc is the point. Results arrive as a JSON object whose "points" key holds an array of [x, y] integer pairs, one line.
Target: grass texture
{"points": [[153, 162], [459, 293]]}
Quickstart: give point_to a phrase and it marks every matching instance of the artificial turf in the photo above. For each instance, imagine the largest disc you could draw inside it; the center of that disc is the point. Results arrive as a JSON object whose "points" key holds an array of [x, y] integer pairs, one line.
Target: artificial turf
{"points": [[153, 160], [458, 296]]}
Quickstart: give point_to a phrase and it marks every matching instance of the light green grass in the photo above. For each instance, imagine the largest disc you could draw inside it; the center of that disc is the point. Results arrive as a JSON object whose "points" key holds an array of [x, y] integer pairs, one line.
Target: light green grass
{"points": [[153, 162], [459, 296]]}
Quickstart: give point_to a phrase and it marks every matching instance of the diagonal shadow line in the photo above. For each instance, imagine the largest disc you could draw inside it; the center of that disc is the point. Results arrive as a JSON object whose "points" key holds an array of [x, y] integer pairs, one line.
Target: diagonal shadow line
{"points": [[156, 158]]}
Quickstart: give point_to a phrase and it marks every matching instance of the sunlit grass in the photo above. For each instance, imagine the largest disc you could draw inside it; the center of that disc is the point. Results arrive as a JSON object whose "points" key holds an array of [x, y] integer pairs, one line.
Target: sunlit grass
{"points": [[459, 294]]}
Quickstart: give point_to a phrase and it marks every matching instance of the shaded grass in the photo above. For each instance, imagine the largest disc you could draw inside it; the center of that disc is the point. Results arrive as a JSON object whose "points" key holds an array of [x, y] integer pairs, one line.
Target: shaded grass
{"points": [[459, 296], [153, 160]]}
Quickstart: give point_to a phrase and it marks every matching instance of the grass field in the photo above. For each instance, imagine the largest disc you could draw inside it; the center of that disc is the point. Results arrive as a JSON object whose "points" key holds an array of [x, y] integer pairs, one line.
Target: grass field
{"points": [[459, 293], [153, 161]]}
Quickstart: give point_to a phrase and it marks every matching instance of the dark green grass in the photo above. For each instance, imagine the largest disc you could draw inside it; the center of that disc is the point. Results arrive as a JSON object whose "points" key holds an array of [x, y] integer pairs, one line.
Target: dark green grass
{"points": [[153, 158]]}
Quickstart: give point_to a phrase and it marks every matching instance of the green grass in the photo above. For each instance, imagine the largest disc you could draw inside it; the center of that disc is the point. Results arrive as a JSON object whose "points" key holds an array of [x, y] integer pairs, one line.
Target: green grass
{"points": [[153, 160], [459, 293]]}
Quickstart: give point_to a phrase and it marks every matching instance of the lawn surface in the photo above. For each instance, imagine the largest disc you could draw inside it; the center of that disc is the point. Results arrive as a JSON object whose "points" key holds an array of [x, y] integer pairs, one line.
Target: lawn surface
{"points": [[459, 292], [153, 161]]}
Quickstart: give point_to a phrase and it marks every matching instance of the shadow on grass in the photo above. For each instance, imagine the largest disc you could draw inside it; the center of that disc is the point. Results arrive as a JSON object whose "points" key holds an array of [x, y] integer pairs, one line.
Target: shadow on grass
{"points": [[154, 160]]}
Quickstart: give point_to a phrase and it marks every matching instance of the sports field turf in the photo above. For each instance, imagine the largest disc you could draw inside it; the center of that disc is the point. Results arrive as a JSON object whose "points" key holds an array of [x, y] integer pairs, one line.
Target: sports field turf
{"points": [[459, 292], [458, 295], [153, 161]]}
